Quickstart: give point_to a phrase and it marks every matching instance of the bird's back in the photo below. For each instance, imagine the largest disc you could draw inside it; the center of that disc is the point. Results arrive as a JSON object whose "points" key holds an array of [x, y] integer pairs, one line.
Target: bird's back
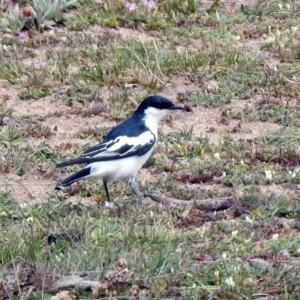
{"points": [[131, 127]]}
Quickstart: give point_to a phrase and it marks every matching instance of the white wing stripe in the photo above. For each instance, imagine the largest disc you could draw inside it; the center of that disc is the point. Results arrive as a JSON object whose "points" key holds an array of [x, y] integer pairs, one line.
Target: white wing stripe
{"points": [[140, 140], [135, 143]]}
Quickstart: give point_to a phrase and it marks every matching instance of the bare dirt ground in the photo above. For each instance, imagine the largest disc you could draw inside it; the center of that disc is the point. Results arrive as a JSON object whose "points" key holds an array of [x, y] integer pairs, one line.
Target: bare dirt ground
{"points": [[40, 187], [47, 112]]}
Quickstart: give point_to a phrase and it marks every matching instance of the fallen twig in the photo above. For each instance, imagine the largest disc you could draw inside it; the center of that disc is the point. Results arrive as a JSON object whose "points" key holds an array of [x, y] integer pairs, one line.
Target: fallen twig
{"points": [[213, 204], [28, 293], [79, 282]]}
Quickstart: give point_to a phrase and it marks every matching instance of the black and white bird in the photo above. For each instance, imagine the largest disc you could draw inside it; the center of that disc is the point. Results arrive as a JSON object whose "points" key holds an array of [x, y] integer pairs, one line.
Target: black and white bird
{"points": [[125, 148]]}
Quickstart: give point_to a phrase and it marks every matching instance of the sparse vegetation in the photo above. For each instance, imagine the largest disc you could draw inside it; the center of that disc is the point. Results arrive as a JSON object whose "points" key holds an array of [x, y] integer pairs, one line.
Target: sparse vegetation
{"points": [[234, 66]]}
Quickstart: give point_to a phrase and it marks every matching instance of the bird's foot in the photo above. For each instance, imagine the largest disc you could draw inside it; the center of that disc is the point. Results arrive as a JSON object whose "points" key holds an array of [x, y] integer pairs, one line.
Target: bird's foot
{"points": [[109, 204]]}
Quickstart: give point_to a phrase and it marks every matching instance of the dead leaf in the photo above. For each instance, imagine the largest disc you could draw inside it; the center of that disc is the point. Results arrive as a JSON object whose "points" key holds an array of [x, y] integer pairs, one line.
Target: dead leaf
{"points": [[64, 295], [122, 263]]}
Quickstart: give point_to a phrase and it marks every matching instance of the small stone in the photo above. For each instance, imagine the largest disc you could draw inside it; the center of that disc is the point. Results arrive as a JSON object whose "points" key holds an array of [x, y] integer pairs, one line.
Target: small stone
{"points": [[261, 264]]}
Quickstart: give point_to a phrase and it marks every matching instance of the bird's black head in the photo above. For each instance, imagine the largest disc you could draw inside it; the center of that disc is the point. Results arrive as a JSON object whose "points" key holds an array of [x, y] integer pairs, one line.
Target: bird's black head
{"points": [[157, 102]]}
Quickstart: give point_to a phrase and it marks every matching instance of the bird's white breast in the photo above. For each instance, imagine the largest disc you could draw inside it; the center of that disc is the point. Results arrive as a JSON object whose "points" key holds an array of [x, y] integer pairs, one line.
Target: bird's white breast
{"points": [[118, 169]]}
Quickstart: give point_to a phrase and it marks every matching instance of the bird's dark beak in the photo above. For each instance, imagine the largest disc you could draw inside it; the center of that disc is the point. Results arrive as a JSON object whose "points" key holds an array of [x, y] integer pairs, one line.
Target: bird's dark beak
{"points": [[177, 107]]}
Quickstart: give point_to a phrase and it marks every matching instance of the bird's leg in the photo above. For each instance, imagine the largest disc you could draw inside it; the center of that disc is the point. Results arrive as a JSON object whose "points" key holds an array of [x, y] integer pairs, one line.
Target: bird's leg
{"points": [[106, 190], [132, 185]]}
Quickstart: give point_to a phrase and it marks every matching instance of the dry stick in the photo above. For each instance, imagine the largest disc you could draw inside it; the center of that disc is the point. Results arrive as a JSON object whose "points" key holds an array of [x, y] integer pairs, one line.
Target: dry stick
{"points": [[79, 282], [63, 283], [29, 292], [16, 271], [213, 204]]}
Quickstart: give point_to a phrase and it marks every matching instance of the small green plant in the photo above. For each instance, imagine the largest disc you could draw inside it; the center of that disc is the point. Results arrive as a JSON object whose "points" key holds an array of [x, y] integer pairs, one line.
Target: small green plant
{"points": [[146, 63], [10, 141], [280, 38], [10, 136], [11, 71], [62, 66], [45, 153], [267, 8], [219, 97], [13, 23], [37, 77], [156, 22], [48, 13], [34, 93], [112, 21], [177, 6], [97, 73], [78, 22]]}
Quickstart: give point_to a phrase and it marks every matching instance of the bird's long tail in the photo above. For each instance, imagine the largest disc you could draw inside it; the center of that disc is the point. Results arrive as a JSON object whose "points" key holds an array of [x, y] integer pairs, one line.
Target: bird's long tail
{"points": [[81, 174], [75, 161]]}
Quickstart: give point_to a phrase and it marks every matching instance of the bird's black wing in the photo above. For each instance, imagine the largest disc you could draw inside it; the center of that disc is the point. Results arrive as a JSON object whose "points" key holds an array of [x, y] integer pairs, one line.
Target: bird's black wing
{"points": [[117, 148]]}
